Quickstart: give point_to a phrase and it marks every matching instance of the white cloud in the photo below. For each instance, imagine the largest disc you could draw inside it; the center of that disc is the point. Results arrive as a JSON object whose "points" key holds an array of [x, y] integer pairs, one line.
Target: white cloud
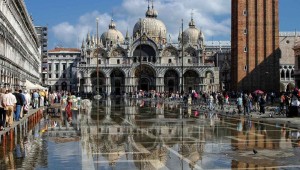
{"points": [[212, 17]]}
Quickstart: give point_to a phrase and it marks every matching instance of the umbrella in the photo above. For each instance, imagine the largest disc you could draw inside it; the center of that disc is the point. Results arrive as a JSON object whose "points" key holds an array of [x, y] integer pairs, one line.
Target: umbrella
{"points": [[258, 92]]}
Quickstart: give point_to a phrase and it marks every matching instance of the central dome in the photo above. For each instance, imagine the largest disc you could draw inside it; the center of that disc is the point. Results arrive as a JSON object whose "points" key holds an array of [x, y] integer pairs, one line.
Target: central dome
{"points": [[151, 26]]}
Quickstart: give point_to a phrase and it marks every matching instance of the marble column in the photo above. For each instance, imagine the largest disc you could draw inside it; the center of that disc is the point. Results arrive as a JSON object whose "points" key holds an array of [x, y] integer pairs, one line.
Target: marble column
{"points": [[108, 85]]}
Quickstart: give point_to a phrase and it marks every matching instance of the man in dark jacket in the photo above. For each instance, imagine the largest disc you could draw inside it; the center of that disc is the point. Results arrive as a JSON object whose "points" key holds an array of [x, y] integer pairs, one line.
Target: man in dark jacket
{"points": [[19, 104]]}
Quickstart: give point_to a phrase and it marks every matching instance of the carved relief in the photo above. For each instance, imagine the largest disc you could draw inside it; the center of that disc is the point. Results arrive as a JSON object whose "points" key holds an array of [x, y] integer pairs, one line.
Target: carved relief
{"points": [[169, 52], [190, 52], [118, 53]]}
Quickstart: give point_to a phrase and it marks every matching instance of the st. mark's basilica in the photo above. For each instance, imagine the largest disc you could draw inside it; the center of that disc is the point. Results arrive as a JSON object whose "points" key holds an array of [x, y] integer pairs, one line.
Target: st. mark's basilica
{"points": [[146, 60]]}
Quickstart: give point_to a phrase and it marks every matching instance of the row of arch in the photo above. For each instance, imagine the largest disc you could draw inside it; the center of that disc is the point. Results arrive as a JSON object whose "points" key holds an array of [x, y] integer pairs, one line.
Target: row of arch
{"points": [[286, 74], [145, 78]]}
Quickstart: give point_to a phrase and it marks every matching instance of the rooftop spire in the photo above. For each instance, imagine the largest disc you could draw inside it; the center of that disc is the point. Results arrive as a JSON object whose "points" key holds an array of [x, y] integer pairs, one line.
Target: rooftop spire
{"points": [[112, 24], [192, 23], [152, 4]]}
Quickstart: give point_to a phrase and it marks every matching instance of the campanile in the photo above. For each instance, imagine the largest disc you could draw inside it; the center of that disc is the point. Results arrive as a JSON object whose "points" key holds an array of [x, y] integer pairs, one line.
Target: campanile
{"points": [[255, 45]]}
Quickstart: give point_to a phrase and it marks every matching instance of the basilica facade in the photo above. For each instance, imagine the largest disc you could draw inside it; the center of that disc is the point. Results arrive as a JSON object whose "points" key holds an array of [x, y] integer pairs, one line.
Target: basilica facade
{"points": [[147, 60]]}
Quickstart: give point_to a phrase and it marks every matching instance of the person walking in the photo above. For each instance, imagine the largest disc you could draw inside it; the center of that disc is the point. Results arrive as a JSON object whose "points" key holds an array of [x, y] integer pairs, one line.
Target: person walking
{"points": [[262, 104], [211, 102], [9, 101], [35, 97], [239, 103], [19, 104], [27, 102], [246, 104]]}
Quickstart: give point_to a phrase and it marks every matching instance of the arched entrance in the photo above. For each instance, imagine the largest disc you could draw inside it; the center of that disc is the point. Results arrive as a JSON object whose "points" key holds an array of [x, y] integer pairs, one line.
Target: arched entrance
{"points": [[171, 81], [102, 82], [146, 78], [191, 81], [146, 52], [117, 82], [81, 87], [64, 86]]}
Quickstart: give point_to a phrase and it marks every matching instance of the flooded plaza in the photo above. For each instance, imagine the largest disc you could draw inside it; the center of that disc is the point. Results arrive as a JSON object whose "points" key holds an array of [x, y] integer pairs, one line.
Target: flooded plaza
{"points": [[144, 134]]}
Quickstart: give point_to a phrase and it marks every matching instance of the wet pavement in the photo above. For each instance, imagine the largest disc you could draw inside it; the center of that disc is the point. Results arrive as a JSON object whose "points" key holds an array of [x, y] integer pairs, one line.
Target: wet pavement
{"points": [[137, 134]]}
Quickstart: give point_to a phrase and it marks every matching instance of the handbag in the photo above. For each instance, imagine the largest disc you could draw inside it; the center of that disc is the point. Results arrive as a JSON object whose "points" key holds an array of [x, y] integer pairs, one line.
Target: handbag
{"points": [[26, 107]]}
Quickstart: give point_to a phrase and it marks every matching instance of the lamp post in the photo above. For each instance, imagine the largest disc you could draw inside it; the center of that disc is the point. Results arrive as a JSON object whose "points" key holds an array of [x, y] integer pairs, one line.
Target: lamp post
{"points": [[97, 96], [140, 57], [182, 91]]}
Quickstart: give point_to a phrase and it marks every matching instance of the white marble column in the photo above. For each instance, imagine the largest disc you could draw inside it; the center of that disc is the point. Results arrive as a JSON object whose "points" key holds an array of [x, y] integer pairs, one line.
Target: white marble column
{"points": [[108, 85]]}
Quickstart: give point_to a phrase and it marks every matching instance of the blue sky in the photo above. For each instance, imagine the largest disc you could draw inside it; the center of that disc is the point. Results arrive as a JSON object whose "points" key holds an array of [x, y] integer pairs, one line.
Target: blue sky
{"points": [[70, 20]]}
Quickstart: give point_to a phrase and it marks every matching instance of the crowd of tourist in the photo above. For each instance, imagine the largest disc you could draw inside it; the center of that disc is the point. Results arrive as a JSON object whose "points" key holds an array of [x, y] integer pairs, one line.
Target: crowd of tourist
{"points": [[14, 105], [245, 102]]}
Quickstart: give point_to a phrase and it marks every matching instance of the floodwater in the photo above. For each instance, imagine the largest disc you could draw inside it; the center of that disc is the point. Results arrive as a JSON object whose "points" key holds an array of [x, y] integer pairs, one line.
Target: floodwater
{"points": [[128, 134]]}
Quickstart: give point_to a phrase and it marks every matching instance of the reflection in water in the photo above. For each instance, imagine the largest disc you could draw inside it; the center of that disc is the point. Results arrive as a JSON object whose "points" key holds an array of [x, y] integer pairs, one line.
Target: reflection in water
{"points": [[142, 134]]}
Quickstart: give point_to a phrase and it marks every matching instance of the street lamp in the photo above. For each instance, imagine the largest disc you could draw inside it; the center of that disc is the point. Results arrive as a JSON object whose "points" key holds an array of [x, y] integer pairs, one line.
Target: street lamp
{"points": [[182, 91], [97, 96], [140, 57]]}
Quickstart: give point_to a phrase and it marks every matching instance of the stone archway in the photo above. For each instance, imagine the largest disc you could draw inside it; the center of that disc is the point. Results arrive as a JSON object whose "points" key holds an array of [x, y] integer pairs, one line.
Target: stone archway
{"points": [[102, 82], [117, 82], [146, 77], [146, 52], [171, 81], [191, 81], [64, 86]]}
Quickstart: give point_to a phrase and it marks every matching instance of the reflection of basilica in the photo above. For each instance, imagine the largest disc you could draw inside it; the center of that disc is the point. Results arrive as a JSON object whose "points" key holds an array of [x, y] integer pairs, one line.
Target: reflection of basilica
{"points": [[123, 133], [147, 60]]}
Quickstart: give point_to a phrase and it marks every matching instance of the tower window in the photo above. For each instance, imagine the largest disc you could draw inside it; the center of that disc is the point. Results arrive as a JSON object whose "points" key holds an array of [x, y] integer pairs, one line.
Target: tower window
{"points": [[189, 60], [245, 12], [245, 31], [118, 61], [245, 49], [170, 60]]}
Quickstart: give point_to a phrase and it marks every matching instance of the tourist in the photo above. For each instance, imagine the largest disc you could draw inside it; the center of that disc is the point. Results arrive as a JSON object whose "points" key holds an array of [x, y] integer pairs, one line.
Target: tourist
{"points": [[282, 98], [35, 97], [19, 103], [42, 98], [262, 103], [239, 103], [23, 104], [2, 111], [246, 104], [211, 102], [226, 98], [69, 107], [9, 101], [221, 101], [27, 102]]}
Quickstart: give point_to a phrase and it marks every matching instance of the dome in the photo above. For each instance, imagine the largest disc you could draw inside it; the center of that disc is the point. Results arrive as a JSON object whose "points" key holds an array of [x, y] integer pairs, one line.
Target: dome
{"points": [[112, 36], [153, 27], [192, 35]]}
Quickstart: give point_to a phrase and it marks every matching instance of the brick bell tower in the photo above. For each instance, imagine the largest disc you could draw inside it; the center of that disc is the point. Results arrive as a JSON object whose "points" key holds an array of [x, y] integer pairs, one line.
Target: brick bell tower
{"points": [[255, 45]]}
